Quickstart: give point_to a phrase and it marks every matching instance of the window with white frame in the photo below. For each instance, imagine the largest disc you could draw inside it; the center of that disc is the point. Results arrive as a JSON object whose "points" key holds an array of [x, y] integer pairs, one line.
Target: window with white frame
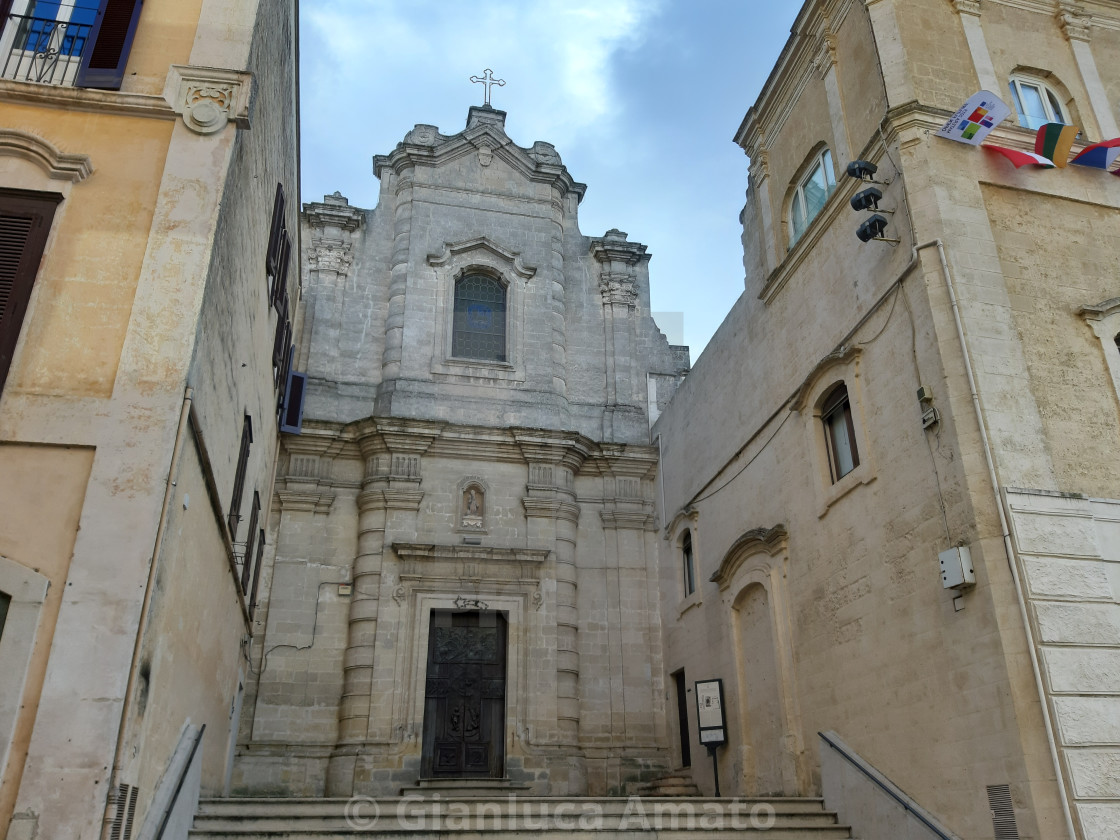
{"points": [[840, 432], [811, 194], [1035, 103]]}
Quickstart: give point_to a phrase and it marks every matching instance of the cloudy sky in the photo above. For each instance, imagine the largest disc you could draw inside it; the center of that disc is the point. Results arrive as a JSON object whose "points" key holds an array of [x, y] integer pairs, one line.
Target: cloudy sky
{"points": [[640, 97]]}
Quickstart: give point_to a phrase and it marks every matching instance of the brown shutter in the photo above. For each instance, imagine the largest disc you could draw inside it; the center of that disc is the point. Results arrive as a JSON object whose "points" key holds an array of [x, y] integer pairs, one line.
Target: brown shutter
{"points": [[247, 561], [106, 52], [25, 222], [5, 10]]}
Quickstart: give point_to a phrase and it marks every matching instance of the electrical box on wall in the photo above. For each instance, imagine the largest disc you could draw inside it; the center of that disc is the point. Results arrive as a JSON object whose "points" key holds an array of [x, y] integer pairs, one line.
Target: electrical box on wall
{"points": [[956, 568]]}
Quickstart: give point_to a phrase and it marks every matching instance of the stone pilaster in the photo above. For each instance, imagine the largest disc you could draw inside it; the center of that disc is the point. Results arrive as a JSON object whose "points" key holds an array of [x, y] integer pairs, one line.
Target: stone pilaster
{"points": [[554, 460], [558, 298], [398, 280], [619, 262], [1076, 27], [332, 224], [387, 507]]}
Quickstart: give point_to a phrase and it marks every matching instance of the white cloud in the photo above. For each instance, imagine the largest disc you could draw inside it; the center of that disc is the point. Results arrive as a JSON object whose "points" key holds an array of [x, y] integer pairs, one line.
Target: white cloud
{"points": [[554, 54]]}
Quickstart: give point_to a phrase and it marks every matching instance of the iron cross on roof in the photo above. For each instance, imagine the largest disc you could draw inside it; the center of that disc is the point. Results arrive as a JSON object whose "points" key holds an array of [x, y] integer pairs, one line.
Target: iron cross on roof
{"points": [[487, 80]]}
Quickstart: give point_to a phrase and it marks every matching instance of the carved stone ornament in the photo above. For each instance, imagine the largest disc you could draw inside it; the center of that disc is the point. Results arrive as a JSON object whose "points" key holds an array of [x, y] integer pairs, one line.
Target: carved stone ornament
{"points": [[472, 509], [1074, 22], [330, 255], [209, 98], [422, 135], [618, 259], [485, 154]]}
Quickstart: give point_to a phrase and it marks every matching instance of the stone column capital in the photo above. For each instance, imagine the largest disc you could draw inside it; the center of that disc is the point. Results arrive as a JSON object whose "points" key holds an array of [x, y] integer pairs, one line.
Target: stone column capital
{"points": [[1074, 22]]}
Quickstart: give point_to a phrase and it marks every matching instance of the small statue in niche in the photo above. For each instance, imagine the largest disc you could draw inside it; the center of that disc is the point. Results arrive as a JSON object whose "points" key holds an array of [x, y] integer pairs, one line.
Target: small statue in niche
{"points": [[472, 507]]}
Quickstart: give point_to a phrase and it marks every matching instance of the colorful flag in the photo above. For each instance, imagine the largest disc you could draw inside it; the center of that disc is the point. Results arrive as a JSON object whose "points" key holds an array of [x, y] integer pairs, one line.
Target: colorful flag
{"points": [[1099, 155], [975, 119], [1021, 158], [1054, 140]]}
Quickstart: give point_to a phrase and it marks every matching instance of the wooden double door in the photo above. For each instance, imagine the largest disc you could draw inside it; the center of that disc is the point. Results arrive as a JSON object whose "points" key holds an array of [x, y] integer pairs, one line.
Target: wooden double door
{"points": [[464, 695]]}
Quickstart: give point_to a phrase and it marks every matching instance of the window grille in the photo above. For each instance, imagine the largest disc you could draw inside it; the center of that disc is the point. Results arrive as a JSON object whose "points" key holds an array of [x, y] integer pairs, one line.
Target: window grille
{"points": [[479, 326]]}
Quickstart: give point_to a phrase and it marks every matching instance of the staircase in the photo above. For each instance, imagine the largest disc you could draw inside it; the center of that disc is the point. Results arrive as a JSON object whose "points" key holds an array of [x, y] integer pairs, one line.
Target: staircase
{"points": [[492, 817]]}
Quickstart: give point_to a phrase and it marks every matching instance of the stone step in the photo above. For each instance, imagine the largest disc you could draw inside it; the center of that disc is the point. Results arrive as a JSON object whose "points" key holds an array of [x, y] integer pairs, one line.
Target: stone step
{"points": [[675, 784], [550, 818]]}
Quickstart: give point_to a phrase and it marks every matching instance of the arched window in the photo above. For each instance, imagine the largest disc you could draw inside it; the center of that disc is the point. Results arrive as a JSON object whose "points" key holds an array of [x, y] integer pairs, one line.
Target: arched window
{"points": [[1035, 103], [479, 324], [811, 194], [688, 568], [840, 432]]}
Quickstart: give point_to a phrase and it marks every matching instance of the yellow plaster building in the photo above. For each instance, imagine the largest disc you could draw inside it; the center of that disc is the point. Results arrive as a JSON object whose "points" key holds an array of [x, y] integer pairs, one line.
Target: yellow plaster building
{"points": [[144, 351]]}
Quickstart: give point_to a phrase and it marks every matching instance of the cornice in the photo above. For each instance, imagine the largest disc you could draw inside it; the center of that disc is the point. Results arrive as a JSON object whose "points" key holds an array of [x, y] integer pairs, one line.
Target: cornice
{"points": [[335, 212], [1100, 311], [424, 147], [484, 243], [629, 520], [803, 59], [86, 99], [769, 541], [58, 165], [430, 552]]}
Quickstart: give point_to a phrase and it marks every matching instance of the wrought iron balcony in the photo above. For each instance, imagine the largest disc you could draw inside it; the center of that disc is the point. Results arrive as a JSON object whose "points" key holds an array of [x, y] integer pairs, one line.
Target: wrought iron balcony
{"points": [[42, 50]]}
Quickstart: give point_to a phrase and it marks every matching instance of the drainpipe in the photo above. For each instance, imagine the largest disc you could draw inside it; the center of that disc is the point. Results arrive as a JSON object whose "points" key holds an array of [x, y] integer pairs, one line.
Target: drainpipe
{"points": [[149, 589], [1005, 532]]}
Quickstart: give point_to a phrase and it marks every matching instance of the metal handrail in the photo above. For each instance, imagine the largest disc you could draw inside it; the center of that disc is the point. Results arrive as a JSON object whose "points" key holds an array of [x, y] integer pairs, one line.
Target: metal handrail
{"points": [[888, 787], [179, 784], [43, 50]]}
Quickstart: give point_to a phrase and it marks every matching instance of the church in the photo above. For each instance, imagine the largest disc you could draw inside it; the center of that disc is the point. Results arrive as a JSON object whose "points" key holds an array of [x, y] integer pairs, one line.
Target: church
{"points": [[464, 583]]}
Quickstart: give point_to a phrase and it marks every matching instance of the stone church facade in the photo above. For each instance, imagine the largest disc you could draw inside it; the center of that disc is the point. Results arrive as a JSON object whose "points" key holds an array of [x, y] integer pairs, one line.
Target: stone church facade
{"points": [[464, 582]]}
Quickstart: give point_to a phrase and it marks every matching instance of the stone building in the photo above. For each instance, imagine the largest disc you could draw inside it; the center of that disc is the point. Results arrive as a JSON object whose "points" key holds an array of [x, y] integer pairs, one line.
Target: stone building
{"points": [[464, 584], [143, 244], [868, 406]]}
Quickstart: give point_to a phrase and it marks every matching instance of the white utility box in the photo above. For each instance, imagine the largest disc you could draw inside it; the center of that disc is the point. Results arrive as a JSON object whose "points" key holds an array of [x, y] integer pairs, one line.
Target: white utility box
{"points": [[956, 568]]}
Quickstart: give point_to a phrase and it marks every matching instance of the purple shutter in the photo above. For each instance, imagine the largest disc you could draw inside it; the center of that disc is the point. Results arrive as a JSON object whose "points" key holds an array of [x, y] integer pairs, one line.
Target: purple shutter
{"points": [[291, 419], [106, 51]]}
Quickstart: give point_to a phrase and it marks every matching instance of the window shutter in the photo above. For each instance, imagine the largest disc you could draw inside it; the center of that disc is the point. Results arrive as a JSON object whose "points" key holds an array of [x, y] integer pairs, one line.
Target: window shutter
{"points": [[5, 10], [280, 287], [25, 222], [274, 233], [106, 54], [291, 418], [256, 573], [239, 477]]}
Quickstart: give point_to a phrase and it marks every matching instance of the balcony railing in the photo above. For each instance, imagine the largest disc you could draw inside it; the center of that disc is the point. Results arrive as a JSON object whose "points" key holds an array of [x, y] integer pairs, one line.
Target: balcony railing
{"points": [[42, 50]]}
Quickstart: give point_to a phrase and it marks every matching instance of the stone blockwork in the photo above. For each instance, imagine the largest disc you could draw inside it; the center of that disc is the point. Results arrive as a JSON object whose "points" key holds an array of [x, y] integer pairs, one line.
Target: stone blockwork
{"points": [[1069, 547], [429, 477]]}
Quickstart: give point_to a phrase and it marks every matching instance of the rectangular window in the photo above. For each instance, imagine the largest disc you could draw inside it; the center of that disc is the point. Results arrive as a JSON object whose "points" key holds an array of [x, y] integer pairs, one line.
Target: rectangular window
{"points": [[80, 43], [25, 222], [840, 433], [688, 566], [239, 477]]}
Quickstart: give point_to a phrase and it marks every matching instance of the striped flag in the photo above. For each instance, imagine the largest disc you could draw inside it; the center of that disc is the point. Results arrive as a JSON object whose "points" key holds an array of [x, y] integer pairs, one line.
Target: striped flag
{"points": [[1020, 158], [1054, 140], [1099, 155]]}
